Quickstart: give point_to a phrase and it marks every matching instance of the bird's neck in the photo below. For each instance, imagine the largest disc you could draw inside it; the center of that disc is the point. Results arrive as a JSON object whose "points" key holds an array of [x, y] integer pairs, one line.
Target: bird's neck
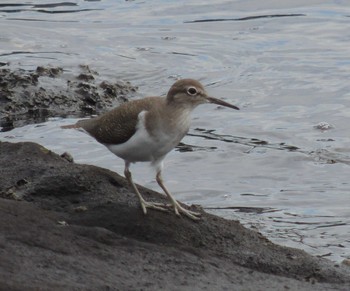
{"points": [[169, 118]]}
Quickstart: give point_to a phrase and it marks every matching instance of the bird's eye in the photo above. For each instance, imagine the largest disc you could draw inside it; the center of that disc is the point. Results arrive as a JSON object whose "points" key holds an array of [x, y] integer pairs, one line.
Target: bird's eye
{"points": [[192, 91]]}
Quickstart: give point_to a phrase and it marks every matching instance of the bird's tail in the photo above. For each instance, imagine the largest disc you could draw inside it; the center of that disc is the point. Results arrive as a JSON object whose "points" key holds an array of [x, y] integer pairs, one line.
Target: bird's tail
{"points": [[70, 126]]}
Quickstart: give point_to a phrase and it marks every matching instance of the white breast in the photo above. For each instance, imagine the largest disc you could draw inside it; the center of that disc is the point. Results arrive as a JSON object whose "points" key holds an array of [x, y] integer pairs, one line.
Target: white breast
{"points": [[143, 147]]}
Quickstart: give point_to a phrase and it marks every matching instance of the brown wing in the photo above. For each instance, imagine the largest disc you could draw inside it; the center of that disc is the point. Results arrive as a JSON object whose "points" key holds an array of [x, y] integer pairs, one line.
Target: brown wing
{"points": [[117, 125]]}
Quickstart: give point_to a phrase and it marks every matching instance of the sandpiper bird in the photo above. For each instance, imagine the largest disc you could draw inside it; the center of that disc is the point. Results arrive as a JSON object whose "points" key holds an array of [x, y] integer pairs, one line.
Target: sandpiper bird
{"points": [[146, 130]]}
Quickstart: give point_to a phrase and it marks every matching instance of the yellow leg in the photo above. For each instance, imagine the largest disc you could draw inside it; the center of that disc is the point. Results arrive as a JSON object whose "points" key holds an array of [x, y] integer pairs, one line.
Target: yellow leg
{"points": [[144, 203], [177, 207]]}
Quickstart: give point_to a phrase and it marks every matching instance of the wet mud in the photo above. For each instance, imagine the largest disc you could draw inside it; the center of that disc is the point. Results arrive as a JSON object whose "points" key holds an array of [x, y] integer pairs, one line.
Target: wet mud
{"points": [[29, 96], [66, 226]]}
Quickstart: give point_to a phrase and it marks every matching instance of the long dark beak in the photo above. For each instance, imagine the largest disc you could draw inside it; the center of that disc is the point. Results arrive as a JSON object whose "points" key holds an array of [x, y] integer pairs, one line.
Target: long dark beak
{"points": [[222, 103]]}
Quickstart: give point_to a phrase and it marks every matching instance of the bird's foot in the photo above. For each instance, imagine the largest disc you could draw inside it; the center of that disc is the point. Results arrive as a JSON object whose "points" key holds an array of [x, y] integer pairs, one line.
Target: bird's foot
{"points": [[153, 205], [178, 209]]}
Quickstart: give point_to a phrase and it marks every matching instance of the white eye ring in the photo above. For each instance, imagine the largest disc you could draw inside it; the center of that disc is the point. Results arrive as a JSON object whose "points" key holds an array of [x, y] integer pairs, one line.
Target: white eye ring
{"points": [[192, 91]]}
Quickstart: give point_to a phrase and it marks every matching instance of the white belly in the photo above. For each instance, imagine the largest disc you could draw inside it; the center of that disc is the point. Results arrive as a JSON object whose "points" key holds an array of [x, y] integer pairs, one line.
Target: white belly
{"points": [[142, 147]]}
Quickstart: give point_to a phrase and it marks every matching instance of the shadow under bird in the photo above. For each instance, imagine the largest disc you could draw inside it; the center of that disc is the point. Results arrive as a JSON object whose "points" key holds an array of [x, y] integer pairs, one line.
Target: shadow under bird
{"points": [[146, 130]]}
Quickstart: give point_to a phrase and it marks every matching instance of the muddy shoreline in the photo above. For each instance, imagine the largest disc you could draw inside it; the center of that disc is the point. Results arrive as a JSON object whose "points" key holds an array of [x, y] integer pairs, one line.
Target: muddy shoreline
{"points": [[67, 226], [30, 96]]}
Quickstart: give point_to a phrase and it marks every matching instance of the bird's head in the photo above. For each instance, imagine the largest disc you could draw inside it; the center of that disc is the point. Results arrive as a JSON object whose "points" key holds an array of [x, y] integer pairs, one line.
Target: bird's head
{"points": [[189, 92]]}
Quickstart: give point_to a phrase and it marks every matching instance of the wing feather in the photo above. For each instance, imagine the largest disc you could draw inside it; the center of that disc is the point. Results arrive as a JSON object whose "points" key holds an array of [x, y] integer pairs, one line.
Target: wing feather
{"points": [[119, 124]]}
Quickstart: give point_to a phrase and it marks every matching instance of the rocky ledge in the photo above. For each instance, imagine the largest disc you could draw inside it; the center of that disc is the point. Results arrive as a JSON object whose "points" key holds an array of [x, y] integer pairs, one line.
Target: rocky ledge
{"points": [[28, 96], [67, 226]]}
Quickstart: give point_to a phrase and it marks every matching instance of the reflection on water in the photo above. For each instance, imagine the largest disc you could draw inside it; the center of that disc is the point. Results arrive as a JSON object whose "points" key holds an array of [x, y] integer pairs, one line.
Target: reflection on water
{"points": [[281, 164], [245, 18]]}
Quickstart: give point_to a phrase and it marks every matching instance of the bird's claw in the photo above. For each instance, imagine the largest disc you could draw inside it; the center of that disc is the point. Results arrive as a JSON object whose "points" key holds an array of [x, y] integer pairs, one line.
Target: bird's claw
{"points": [[152, 205], [178, 209]]}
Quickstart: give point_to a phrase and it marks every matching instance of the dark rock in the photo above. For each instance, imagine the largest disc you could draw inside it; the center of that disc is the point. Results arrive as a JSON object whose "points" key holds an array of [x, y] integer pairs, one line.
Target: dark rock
{"points": [[28, 96], [66, 226]]}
